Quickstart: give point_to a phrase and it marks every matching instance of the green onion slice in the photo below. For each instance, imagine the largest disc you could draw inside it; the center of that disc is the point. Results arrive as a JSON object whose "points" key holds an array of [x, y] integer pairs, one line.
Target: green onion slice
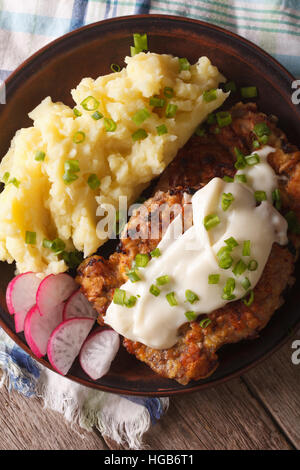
{"points": [[200, 131], [15, 182], [293, 223], [168, 92], [162, 280], [141, 260], [110, 125], [264, 139], [246, 283], [240, 159], [133, 275], [119, 296], [249, 92], [72, 166], [227, 200], [210, 95], [224, 118], [255, 144], [213, 278], [231, 243], [140, 116], [205, 322], [241, 178], [253, 265], [276, 197], [191, 297], [157, 102], [40, 156], [115, 68], [140, 41], [76, 112], [78, 137], [260, 196], [184, 64], [190, 315], [171, 299], [230, 86], [171, 110], [261, 129], [69, 177], [246, 248], [72, 258], [97, 115], [252, 159], [90, 103], [5, 177], [239, 268], [211, 221], [211, 118], [155, 253], [225, 260], [154, 290], [30, 238], [140, 134], [228, 289], [130, 302], [248, 300], [93, 181], [162, 129], [228, 179]]}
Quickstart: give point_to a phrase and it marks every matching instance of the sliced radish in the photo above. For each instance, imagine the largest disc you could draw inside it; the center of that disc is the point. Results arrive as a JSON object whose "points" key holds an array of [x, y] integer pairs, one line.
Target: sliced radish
{"points": [[98, 352], [65, 342], [79, 306], [21, 296], [53, 291], [38, 329]]}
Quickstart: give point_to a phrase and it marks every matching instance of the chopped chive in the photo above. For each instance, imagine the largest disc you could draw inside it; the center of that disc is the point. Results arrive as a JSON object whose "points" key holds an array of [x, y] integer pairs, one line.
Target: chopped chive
{"points": [[115, 68], [140, 134], [224, 118], [171, 110], [168, 92], [246, 248], [155, 253], [211, 118], [276, 197], [119, 296], [293, 223], [240, 159], [72, 166], [253, 265], [162, 129], [140, 41], [211, 221], [248, 300], [162, 280], [190, 315], [205, 322], [30, 238], [97, 115], [78, 137], [90, 103], [239, 268], [255, 144], [76, 112], [213, 278], [157, 102], [227, 200], [252, 159], [231, 243], [228, 179], [200, 131], [184, 64], [141, 260], [246, 283], [230, 86], [5, 177], [40, 156], [171, 299], [140, 116], [130, 302], [261, 129], [110, 125], [249, 92], [133, 275], [191, 297], [210, 95], [93, 181], [241, 178], [260, 196], [154, 290]]}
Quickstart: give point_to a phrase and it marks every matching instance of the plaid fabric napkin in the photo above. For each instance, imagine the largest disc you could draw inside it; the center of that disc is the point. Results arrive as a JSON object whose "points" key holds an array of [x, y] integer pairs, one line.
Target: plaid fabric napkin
{"points": [[25, 27]]}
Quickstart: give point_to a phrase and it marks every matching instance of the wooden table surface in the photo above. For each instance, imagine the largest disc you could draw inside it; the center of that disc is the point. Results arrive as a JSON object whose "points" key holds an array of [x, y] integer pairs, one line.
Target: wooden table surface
{"points": [[259, 410]]}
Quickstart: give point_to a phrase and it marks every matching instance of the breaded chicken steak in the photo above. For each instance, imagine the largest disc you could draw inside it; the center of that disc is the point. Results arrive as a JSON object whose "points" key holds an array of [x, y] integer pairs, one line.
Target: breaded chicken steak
{"points": [[194, 356]]}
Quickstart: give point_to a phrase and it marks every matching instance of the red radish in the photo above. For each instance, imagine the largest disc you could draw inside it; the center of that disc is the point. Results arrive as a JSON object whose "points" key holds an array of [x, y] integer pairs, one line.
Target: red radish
{"points": [[79, 306], [21, 296], [65, 342], [53, 291], [98, 352], [37, 328]]}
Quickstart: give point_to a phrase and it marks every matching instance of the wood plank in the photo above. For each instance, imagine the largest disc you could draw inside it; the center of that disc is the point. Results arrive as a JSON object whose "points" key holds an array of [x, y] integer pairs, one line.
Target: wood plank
{"points": [[277, 384], [26, 425], [226, 417]]}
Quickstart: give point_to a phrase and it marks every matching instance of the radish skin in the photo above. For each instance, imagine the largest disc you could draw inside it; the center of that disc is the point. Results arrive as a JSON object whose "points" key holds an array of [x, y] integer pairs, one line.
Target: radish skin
{"points": [[54, 290]]}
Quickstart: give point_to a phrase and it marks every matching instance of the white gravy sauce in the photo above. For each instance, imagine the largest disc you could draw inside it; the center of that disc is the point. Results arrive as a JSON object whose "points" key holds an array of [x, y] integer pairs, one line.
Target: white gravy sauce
{"points": [[189, 259]]}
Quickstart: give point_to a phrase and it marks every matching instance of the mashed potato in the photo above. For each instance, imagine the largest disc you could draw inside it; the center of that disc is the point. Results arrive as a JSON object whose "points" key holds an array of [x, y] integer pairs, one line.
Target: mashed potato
{"points": [[36, 197]]}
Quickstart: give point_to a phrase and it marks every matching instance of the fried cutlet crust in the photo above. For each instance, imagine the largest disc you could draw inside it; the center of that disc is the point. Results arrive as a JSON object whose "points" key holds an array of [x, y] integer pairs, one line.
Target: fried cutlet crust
{"points": [[194, 356]]}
